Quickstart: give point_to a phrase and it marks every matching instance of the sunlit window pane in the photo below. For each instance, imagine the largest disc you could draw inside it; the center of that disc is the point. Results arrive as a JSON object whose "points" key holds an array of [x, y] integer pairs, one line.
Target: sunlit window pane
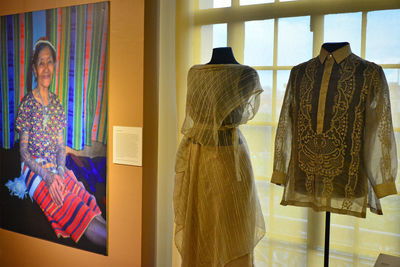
{"points": [[342, 230], [344, 28], [397, 136], [272, 252], [383, 36], [259, 141], [263, 190], [281, 83], [382, 233], [259, 42], [288, 221], [393, 80], [205, 4], [212, 36], [220, 35], [294, 41], [264, 113], [255, 2]]}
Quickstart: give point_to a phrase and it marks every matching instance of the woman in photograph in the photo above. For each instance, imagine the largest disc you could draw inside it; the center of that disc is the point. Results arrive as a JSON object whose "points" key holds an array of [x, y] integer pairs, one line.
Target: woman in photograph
{"points": [[70, 209]]}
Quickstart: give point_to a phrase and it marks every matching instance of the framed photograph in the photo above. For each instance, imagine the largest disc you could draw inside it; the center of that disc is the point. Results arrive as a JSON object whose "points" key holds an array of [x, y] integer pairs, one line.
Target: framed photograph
{"points": [[53, 124]]}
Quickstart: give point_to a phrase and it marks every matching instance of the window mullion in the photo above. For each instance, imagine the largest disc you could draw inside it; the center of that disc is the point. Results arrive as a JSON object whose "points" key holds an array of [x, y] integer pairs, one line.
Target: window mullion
{"points": [[274, 74], [315, 220], [363, 33], [197, 53], [196, 5], [390, 66], [317, 28], [272, 204], [273, 67], [235, 3], [236, 39]]}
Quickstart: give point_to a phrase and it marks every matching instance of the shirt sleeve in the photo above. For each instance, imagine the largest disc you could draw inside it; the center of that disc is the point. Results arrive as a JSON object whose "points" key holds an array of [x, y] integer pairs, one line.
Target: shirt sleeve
{"points": [[23, 123], [283, 139], [380, 154]]}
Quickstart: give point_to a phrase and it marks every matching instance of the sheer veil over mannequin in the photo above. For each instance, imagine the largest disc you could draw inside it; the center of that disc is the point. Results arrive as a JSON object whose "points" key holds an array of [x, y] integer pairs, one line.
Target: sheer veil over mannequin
{"points": [[218, 216], [224, 55]]}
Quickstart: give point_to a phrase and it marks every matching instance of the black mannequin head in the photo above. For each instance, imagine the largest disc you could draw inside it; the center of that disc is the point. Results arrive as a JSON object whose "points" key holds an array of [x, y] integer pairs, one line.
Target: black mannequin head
{"points": [[223, 55], [330, 47]]}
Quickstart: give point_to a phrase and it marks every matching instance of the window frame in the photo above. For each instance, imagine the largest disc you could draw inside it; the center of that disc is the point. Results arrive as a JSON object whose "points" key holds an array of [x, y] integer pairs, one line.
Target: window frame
{"points": [[235, 18]]}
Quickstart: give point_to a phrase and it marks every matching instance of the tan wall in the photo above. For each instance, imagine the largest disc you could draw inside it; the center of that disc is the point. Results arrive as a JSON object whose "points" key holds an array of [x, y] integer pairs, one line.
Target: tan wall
{"points": [[124, 182]]}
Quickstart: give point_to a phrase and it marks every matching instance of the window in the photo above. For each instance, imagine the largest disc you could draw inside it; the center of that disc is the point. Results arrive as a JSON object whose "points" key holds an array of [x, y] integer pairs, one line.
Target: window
{"points": [[212, 36], [272, 37]]}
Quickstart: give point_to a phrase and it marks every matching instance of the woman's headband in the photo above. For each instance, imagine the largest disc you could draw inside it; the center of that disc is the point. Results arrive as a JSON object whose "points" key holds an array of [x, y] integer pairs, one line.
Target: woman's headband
{"points": [[43, 40]]}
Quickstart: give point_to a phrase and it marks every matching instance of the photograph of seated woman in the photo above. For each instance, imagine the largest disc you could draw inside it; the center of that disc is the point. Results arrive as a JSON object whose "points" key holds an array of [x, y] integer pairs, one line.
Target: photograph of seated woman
{"points": [[70, 209]]}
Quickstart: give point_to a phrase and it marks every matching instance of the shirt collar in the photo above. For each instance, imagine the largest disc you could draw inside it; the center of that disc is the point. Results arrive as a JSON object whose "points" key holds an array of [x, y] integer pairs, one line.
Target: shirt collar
{"points": [[339, 55]]}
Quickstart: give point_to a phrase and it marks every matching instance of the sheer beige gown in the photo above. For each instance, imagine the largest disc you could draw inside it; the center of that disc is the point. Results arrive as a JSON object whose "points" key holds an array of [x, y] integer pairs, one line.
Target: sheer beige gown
{"points": [[217, 212]]}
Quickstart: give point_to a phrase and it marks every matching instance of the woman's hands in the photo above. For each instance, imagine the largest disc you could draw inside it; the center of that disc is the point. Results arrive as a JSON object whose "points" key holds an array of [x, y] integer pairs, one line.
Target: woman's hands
{"points": [[71, 174], [55, 184], [56, 188]]}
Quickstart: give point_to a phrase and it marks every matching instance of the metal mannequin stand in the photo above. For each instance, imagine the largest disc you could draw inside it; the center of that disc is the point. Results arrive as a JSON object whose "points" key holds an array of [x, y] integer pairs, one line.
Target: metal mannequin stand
{"points": [[327, 232]]}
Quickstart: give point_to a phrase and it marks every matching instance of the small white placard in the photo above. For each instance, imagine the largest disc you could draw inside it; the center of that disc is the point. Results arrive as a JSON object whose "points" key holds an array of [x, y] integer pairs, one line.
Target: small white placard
{"points": [[127, 145], [385, 260]]}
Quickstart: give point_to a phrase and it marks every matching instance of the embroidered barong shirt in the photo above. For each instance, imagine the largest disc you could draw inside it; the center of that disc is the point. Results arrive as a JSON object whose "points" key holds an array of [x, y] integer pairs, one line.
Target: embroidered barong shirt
{"points": [[335, 147], [217, 212]]}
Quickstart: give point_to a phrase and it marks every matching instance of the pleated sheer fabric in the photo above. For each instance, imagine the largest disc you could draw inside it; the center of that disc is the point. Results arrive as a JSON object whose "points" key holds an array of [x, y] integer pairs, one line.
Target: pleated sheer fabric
{"points": [[335, 147], [217, 212]]}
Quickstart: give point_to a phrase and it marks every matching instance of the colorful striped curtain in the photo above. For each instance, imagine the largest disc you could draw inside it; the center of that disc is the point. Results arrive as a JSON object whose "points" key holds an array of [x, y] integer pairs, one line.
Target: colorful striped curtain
{"points": [[80, 36]]}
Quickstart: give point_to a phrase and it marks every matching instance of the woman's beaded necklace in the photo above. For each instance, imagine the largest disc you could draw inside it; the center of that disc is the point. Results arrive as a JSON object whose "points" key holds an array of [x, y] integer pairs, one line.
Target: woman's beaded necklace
{"points": [[45, 111]]}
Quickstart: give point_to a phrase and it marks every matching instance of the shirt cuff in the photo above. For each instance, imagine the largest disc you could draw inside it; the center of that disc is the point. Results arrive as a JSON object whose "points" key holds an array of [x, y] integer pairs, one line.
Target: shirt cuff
{"points": [[278, 178], [386, 189]]}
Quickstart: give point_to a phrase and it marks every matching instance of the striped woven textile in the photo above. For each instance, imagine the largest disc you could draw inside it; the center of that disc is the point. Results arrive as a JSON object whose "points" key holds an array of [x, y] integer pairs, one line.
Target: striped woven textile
{"points": [[80, 36], [78, 210]]}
